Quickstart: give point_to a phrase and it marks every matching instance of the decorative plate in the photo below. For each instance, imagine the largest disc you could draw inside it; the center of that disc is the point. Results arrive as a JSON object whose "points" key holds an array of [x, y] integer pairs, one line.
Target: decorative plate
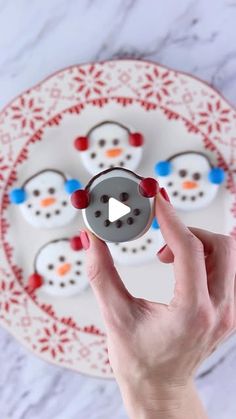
{"points": [[175, 112]]}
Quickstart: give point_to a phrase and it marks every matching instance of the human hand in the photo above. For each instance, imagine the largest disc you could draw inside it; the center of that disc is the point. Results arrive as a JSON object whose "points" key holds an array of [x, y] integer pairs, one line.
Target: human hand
{"points": [[155, 349]]}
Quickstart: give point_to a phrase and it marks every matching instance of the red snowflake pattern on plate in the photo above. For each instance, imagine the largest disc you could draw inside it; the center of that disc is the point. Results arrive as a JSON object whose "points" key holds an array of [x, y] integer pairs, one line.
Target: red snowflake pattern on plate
{"points": [[24, 120], [214, 117], [9, 294], [157, 84], [89, 81], [27, 113], [54, 340]]}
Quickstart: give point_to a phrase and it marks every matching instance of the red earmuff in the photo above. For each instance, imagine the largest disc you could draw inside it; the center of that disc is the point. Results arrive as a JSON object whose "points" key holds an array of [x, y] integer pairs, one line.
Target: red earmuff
{"points": [[136, 139], [80, 199], [35, 281], [75, 243], [148, 187], [81, 143]]}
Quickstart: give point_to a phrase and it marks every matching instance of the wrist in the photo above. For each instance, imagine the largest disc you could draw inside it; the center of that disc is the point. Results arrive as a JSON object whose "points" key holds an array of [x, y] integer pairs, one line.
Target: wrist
{"points": [[162, 401]]}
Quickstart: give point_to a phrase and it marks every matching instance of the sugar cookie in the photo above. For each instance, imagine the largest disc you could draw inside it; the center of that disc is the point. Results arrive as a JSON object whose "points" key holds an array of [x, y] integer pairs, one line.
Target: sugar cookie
{"points": [[59, 268], [109, 144], [117, 204], [190, 179], [43, 199]]}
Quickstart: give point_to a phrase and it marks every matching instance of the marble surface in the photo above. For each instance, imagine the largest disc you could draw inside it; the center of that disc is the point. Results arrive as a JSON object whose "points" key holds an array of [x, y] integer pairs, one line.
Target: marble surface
{"points": [[39, 37]]}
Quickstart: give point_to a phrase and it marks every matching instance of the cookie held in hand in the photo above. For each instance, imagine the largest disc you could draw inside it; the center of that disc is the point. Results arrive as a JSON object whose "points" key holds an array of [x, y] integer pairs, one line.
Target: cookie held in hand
{"points": [[117, 204]]}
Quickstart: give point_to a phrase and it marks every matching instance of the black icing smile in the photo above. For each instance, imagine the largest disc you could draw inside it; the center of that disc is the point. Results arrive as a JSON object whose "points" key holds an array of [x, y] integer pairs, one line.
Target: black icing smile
{"points": [[120, 163], [135, 250], [70, 281], [185, 196], [54, 211]]}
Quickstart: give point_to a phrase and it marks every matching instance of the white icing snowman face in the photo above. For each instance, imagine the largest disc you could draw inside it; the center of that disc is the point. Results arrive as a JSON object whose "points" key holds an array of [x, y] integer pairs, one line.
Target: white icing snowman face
{"points": [[62, 269], [47, 203], [139, 251], [188, 184], [109, 146]]}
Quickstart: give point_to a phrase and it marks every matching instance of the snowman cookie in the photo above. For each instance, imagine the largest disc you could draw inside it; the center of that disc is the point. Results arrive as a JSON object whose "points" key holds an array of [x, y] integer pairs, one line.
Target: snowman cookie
{"points": [[139, 251], [117, 204], [59, 268], [43, 199], [110, 144], [190, 179]]}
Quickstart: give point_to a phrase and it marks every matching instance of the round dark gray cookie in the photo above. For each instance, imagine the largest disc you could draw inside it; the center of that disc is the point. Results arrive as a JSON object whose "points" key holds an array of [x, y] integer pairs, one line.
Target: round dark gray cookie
{"points": [[127, 227], [117, 204]]}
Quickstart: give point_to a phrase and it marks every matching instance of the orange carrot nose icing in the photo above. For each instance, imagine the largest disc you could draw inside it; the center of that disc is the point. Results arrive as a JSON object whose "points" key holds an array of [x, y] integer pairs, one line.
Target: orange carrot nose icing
{"points": [[63, 269], [114, 152], [47, 201], [188, 184]]}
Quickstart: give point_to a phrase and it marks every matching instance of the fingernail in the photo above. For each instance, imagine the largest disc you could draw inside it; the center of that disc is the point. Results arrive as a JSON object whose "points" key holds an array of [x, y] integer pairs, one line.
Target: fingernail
{"points": [[164, 194], [161, 249], [84, 240]]}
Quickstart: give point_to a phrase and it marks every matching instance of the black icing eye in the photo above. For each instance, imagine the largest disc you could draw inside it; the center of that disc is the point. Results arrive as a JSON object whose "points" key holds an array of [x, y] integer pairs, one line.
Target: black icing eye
{"points": [[124, 196], [104, 199], [51, 191], [93, 155], [196, 176], [101, 142], [183, 173], [50, 266], [36, 192], [136, 211], [78, 262], [115, 141], [62, 258], [118, 223]]}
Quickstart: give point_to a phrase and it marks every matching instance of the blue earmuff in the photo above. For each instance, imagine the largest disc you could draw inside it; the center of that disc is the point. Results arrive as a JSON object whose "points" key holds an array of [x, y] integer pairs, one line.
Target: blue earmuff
{"points": [[216, 175], [155, 224], [17, 196], [163, 168], [72, 185]]}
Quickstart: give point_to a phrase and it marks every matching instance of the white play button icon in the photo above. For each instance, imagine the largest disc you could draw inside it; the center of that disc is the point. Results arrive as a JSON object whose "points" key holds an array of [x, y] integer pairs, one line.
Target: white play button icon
{"points": [[116, 209]]}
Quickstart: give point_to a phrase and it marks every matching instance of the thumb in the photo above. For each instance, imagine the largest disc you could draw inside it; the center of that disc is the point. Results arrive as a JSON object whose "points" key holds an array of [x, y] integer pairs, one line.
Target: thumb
{"points": [[111, 294]]}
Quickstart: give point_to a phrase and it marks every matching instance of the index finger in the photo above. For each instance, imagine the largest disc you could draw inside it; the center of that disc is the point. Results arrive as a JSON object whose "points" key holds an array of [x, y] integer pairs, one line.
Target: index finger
{"points": [[189, 260]]}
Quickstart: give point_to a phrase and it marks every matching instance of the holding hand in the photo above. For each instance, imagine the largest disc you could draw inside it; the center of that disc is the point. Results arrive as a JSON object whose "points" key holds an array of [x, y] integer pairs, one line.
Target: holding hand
{"points": [[155, 349]]}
